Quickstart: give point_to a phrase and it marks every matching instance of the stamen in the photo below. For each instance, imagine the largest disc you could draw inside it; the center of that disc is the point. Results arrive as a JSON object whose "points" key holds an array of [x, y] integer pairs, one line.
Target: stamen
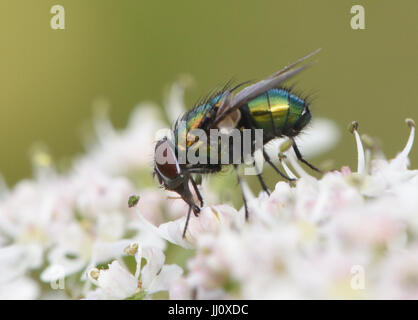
{"points": [[138, 258], [361, 163], [93, 275], [289, 172], [285, 146], [371, 148], [294, 162], [132, 249], [405, 152]]}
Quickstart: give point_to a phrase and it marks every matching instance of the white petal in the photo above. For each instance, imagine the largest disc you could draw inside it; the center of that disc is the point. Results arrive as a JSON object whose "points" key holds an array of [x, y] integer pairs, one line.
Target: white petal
{"points": [[62, 265], [180, 290], [174, 104], [116, 282], [104, 251], [22, 288], [171, 231], [168, 274], [320, 136], [155, 261], [110, 226], [16, 259], [97, 294]]}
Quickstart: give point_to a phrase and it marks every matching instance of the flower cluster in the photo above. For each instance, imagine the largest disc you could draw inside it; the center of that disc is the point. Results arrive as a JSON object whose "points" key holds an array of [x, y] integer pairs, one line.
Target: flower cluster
{"points": [[57, 227], [347, 235], [80, 234]]}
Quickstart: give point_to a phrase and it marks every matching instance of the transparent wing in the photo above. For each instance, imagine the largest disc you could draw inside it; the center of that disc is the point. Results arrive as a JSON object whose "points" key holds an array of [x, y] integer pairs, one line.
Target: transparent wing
{"points": [[260, 87]]}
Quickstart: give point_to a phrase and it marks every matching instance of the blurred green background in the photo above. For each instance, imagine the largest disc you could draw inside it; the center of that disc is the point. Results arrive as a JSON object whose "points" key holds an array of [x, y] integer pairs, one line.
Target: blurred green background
{"points": [[129, 51]]}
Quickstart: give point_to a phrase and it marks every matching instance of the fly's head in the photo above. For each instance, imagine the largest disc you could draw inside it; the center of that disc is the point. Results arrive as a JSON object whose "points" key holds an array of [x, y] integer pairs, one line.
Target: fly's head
{"points": [[166, 166], [169, 173]]}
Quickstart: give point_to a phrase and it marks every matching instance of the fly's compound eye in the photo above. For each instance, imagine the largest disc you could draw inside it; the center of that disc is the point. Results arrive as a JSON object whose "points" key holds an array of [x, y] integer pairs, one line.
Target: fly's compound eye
{"points": [[166, 163]]}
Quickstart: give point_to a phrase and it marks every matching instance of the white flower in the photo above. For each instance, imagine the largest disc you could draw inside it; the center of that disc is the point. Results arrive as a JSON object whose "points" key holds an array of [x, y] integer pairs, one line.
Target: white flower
{"points": [[76, 220], [118, 283], [321, 135], [22, 288], [305, 241], [114, 283], [127, 150], [210, 219], [302, 241]]}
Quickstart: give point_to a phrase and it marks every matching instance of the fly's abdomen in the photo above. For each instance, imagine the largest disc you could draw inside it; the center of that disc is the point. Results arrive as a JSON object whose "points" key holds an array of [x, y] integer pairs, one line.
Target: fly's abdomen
{"points": [[275, 111]]}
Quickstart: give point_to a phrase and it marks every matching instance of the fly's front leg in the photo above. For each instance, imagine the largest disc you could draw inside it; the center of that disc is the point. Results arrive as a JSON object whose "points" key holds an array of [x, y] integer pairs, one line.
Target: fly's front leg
{"points": [[196, 189], [261, 180], [188, 198], [187, 221], [242, 192]]}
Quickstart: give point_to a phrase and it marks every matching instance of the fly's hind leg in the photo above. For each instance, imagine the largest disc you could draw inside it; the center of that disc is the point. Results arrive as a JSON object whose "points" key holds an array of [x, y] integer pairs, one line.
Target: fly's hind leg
{"points": [[261, 180], [267, 158], [301, 159], [242, 191]]}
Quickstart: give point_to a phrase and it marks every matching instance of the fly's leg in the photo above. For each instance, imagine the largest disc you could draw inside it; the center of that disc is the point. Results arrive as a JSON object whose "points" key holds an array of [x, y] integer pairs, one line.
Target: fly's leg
{"points": [[301, 159], [261, 180], [187, 221], [242, 191], [187, 197], [196, 189], [267, 158], [263, 184]]}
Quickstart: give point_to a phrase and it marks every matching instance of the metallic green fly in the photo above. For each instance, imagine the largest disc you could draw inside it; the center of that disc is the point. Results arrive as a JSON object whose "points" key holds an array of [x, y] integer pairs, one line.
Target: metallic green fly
{"points": [[265, 105]]}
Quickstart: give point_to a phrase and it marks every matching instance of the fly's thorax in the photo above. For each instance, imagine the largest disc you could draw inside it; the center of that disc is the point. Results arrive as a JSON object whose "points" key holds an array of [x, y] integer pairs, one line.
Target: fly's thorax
{"points": [[230, 122]]}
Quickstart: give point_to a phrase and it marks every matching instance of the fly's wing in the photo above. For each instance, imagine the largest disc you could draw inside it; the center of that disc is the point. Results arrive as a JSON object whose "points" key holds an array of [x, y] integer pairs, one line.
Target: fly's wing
{"points": [[260, 87], [290, 66]]}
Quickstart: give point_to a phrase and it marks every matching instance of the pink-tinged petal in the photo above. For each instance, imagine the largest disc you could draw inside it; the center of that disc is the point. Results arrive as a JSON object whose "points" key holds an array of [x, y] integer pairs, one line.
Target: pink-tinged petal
{"points": [[168, 275]]}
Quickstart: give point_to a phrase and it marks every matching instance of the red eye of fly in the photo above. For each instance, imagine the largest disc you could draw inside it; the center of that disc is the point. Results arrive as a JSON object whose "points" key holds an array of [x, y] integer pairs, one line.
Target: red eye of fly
{"points": [[165, 160]]}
